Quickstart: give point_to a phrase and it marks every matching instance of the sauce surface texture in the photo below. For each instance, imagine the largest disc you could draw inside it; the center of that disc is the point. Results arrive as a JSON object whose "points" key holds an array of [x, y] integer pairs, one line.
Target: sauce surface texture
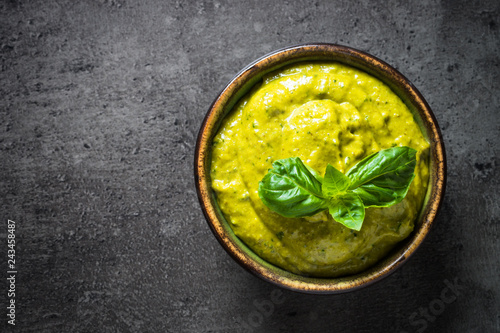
{"points": [[323, 113]]}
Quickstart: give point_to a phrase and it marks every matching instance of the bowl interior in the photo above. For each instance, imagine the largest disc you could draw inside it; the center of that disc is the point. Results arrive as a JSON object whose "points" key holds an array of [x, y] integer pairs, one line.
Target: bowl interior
{"points": [[239, 86]]}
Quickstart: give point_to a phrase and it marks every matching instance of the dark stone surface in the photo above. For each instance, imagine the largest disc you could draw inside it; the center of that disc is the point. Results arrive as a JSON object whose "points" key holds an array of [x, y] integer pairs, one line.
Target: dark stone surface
{"points": [[100, 105]]}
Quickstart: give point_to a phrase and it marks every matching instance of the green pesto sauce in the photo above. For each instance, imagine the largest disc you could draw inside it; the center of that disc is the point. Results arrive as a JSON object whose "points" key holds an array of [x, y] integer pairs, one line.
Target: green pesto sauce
{"points": [[323, 113]]}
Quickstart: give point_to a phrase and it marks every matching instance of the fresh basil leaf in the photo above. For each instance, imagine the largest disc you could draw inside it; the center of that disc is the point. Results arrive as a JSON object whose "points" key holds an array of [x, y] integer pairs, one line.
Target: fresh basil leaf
{"points": [[314, 173], [348, 209], [375, 196], [291, 190], [334, 182], [383, 179]]}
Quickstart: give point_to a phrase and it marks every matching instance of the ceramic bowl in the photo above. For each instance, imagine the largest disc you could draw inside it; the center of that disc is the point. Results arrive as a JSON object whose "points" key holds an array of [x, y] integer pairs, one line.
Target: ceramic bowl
{"points": [[239, 86]]}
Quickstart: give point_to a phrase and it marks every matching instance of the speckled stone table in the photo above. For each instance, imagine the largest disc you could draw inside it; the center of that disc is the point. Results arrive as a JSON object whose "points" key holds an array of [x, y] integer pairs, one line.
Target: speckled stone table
{"points": [[100, 105]]}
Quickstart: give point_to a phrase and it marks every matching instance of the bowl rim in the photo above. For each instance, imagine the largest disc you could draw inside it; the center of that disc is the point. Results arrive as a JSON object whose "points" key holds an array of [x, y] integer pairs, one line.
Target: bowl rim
{"points": [[239, 85]]}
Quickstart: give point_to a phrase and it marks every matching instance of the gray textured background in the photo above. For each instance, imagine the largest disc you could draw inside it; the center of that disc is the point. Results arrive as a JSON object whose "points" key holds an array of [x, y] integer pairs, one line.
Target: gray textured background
{"points": [[100, 105]]}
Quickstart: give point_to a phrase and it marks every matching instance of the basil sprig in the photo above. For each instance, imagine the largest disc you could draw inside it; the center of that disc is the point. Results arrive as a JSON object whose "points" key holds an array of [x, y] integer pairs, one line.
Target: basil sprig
{"points": [[293, 189]]}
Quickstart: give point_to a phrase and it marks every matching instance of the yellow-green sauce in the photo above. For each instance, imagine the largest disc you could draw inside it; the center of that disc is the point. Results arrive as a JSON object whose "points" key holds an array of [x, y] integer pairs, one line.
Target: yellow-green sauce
{"points": [[323, 113]]}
